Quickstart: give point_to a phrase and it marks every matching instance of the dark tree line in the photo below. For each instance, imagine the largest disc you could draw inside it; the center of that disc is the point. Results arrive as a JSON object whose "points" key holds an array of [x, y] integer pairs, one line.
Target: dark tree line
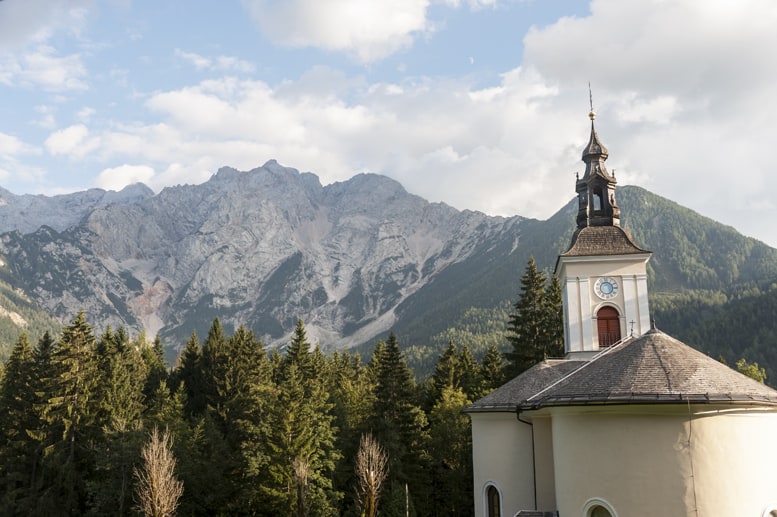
{"points": [[250, 432]]}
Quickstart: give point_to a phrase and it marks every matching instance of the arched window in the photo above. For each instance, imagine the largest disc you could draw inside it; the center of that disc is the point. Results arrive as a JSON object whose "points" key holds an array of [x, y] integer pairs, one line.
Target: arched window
{"points": [[599, 511], [598, 508], [493, 502], [609, 326], [597, 199]]}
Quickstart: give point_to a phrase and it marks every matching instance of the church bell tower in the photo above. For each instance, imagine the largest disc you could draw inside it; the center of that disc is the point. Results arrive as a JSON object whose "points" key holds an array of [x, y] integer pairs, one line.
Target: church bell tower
{"points": [[603, 273]]}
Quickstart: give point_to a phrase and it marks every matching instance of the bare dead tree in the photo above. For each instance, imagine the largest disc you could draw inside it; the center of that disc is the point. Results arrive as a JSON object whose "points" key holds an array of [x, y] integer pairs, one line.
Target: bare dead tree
{"points": [[158, 490], [371, 472], [301, 469]]}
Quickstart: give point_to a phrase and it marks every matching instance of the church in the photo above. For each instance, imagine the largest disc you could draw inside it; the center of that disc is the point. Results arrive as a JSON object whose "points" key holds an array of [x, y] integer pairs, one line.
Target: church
{"points": [[631, 422]]}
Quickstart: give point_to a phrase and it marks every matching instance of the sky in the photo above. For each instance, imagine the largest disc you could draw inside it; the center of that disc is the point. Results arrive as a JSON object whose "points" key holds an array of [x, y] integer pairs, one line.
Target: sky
{"points": [[481, 104]]}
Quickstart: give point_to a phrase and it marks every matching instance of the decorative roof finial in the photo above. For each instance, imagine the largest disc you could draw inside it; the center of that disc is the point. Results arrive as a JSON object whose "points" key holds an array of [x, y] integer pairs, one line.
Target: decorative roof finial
{"points": [[592, 113]]}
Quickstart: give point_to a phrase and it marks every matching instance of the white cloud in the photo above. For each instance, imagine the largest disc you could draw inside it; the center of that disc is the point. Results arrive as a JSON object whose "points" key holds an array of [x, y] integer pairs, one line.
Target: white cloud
{"points": [[13, 146], [199, 62], [116, 178], [367, 30], [44, 68], [220, 63], [73, 141], [714, 49], [85, 114]]}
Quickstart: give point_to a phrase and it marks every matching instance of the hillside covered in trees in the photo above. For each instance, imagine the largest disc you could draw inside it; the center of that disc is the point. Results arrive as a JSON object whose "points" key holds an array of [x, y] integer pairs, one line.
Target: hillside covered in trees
{"points": [[250, 433]]}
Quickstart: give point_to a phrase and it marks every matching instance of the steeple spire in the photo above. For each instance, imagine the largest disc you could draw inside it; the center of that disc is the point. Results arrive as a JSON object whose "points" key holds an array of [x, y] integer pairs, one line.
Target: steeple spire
{"points": [[596, 189]]}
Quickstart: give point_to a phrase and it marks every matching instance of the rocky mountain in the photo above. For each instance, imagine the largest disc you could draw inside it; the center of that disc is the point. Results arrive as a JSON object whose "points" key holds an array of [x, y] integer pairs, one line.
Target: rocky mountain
{"points": [[352, 259], [262, 247], [27, 213]]}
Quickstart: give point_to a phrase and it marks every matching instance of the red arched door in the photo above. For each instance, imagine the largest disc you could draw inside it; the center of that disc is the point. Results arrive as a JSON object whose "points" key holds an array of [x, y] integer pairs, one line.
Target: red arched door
{"points": [[609, 326]]}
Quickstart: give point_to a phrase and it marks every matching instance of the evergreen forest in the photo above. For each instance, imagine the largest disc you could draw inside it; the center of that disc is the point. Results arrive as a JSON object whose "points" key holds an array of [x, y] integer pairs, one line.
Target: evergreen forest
{"points": [[99, 425]]}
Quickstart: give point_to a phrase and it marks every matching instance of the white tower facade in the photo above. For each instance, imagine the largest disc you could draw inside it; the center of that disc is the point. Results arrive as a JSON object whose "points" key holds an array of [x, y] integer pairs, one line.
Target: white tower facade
{"points": [[603, 274]]}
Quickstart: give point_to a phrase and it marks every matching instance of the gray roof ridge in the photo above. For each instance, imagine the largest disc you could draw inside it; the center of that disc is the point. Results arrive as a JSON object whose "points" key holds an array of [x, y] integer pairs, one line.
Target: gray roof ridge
{"points": [[598, 356]]}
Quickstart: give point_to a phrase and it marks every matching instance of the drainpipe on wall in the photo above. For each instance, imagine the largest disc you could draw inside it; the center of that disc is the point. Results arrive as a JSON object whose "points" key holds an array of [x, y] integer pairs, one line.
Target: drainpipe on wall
{"points": [[533, 455]]}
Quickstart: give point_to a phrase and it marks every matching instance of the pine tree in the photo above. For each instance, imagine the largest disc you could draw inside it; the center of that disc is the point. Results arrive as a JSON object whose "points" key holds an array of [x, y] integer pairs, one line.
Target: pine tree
{"points": [[492, 371], [298, 351], [189, 374], [352, 395], [470, 373], [301, 448], [400, 424], [215, 367], [17, 417], [447, 373], [119, 402], [451, 453], [247, 393], [71, 415], [154, 359], [527, 326]]}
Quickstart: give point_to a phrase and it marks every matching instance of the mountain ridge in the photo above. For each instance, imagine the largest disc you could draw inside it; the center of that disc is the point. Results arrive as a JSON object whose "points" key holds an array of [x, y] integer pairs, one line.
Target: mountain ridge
{"points": [[264, 246], [353, 259]]}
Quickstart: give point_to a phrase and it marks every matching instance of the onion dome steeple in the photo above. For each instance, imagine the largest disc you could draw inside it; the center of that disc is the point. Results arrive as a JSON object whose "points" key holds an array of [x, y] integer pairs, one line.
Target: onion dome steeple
{"points": [[596, 189]]}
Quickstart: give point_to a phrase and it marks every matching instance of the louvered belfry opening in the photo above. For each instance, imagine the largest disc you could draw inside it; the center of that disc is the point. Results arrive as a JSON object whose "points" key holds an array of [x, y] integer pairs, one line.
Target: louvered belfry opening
{"points": [[609, 326]]}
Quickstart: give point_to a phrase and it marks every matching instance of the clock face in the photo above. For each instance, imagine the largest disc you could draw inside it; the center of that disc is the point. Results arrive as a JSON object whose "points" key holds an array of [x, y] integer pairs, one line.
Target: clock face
{"points": [[606, 287]]}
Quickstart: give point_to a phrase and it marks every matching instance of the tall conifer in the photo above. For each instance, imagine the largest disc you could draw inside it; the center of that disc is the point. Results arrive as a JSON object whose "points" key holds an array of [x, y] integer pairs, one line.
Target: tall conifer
{"points": [[527, 331], [71, 415]]}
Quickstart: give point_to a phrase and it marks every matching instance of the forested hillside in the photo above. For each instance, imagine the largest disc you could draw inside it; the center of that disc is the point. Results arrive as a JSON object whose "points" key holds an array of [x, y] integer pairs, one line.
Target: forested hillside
{"points": [[249, 433], [710, 286]]}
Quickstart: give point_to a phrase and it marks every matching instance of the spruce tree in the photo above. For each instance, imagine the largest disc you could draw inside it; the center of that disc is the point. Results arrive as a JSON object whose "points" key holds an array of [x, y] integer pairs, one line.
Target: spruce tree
{"points": [[352, 394], [154, 359], [447, 373], [492, 371], [470, 373], [17, 417], [399, 423], [451, 453], [71, 415], [527, 325], [554, 318], [298, 351], [119, 402], [247, 394], [215, 366], [302, 455], [189, 375]]}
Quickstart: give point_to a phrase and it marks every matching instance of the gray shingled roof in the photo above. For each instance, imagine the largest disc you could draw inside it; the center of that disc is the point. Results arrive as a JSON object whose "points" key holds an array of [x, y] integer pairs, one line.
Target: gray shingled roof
{"points": [[510, 395], [654, 368], [602, 240]]}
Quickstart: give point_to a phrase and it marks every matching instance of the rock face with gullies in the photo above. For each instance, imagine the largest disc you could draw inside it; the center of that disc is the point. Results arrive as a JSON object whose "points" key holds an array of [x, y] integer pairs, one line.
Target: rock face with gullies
{"points": [[27, 213], [263, 247]]}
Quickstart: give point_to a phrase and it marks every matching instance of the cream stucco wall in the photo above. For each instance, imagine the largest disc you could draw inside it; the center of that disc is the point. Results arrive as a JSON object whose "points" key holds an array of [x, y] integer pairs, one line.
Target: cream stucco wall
{"points": [[655, 460], [734, 460], [502, 455], [544, 471]]}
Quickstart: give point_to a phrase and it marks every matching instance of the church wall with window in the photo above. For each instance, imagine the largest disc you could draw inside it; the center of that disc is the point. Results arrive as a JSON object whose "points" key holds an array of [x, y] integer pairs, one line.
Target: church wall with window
{"points": [[508, 466]]}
